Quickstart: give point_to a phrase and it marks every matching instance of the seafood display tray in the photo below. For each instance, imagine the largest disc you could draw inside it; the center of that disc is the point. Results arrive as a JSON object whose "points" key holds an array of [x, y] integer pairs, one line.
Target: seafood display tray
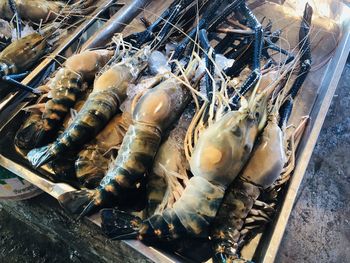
{"points": [[264, 247]]}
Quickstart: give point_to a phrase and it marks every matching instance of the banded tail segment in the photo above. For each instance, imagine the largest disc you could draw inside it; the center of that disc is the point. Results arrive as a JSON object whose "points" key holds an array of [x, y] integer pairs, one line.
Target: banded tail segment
{"points": [[66, 91], [190, 215], [125, 176], [225, 233], [95, 114]]}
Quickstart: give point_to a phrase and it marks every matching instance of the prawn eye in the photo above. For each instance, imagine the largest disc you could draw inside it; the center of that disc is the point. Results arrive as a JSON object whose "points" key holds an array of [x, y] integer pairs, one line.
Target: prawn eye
{"points": [[236, 131], [247, 148]]}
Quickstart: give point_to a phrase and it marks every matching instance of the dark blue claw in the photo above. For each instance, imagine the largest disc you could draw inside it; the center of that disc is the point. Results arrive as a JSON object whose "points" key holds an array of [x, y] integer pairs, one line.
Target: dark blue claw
{"points": [[257, 51], [167, 18], [18, 84], [18, 76], [305, 65], [270, 44], [247, 85], [204, 42]]}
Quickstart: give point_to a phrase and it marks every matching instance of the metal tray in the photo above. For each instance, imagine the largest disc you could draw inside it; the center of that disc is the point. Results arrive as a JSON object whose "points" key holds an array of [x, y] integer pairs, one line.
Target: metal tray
{"points": [[264, 247]]}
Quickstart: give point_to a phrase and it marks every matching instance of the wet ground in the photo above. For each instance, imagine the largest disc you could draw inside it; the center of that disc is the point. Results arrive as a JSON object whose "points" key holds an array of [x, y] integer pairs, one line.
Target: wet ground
{"points": [[20, 243], [319, 227]]}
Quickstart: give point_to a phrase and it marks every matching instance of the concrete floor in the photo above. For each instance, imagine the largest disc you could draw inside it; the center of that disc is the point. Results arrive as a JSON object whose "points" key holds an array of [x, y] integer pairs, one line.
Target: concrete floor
{"points": [[319, 227], [22, 244]]}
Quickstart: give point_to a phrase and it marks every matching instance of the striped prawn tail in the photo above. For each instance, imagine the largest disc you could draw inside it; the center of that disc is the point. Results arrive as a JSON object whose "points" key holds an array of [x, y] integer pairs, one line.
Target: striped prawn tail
{"points": [[95, 114], [76, 201], [39, 156], [124, 181], [191, 215], [64, 95], [87, 202], [226, 229]]}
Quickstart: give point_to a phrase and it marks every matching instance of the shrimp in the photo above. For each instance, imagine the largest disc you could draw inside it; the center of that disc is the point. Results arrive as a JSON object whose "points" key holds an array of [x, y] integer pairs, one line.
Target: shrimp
{"points": [[64, 90], [219, 155], [102, 104], [155, 111], [22, 54], [265, 165], [93, 160], [18, 57], [240, 207], [40, 10], [169, 173]]}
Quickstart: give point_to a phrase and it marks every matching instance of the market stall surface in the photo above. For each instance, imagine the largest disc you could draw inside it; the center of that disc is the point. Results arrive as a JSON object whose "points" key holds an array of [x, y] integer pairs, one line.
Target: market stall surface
{"points": [[318, 230]]}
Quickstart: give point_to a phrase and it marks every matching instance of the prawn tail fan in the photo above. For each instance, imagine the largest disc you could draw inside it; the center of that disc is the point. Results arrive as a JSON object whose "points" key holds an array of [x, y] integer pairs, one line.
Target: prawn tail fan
{"points": [[30, 136], [78, 202], [119, 225], [40, 156]]}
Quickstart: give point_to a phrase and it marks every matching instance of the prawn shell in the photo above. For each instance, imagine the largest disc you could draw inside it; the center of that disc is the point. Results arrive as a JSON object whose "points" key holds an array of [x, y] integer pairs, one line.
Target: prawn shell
{"points": [[33, 10], [116, 78], [236, 205], [93, 160], [88, 62], [169, 174], [198, 205], [66, 91], [90, 167], [135, 156], [22, 54], [223, 149], [268, 158], [160, 106]]}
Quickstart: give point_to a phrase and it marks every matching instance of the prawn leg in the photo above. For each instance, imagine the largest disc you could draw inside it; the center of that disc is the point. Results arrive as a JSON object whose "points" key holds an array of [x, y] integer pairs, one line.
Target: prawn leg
{"points": [[18, 84], [305, 66], [13, 8]]}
